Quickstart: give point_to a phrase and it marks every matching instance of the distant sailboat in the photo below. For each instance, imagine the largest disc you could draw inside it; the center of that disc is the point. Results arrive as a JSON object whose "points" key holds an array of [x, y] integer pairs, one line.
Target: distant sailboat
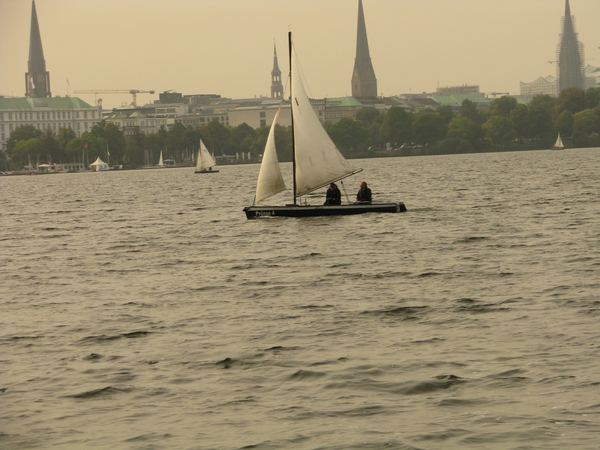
{"points": [[160, 160], [558, 144], [205, 161]]}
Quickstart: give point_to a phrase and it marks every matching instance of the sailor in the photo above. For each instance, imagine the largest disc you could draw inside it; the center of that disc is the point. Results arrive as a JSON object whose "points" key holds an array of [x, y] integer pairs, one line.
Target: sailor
{"points": [[364, 194], [333, 195]]}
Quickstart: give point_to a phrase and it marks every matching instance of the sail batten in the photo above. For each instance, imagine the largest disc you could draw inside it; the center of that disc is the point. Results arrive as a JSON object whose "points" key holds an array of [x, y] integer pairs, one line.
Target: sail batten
{"points": [[270, 181], [318, 161]]}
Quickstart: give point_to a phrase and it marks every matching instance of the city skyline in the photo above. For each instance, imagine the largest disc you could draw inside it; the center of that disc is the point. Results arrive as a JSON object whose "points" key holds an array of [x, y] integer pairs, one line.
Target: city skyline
{"points": [[225, 47]]}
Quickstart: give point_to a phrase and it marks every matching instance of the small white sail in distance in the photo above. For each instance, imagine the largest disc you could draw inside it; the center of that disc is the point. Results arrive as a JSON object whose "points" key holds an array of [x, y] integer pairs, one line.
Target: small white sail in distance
{"points": [[160, 160], [270, 181], [205, 159]]}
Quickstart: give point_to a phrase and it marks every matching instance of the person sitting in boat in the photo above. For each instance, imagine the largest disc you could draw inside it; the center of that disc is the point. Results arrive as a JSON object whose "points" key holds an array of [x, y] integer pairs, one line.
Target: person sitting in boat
{"points": [[364, 194], [333, 196]]}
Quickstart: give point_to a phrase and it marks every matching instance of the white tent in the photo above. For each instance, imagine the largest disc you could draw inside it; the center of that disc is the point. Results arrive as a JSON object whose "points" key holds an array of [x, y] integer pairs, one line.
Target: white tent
{"points": [[99, 165]]}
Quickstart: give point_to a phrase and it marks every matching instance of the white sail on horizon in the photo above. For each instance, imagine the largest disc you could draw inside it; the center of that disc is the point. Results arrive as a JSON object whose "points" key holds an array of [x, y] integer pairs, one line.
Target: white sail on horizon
{"points": [[270, 181], [318, 161], [160, 160]]}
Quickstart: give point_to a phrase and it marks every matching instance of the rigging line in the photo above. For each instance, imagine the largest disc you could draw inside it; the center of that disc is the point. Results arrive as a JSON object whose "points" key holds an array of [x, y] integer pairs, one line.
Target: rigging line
{"points": [[345, 193]]}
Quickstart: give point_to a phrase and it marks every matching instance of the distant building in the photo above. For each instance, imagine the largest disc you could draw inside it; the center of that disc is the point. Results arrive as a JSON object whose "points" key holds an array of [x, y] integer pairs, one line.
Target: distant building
{"points": [[569, 55], [46, 114], [464, 89], [364, 83], [541, 86]]}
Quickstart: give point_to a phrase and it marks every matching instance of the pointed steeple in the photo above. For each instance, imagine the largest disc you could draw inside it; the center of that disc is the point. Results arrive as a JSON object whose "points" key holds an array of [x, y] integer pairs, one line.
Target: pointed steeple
{"points": [[569, 55], [276, 86], [37, 79], [364, 83]]}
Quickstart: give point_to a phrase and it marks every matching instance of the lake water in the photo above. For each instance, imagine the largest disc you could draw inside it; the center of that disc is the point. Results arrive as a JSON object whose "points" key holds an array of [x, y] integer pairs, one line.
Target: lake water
{"points": [[142, 310]]}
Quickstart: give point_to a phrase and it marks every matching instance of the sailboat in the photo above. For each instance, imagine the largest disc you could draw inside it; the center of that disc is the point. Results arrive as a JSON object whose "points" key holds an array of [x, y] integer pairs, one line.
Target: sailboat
{"points": [[316, 163], [205, 161], [558, 145], [160, 160]]}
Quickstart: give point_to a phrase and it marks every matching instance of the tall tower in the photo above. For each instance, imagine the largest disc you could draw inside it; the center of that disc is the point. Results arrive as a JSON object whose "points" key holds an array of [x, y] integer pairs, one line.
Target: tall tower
{"points": [[276, 86], [364, 83], [37, 79], [569, 55]]}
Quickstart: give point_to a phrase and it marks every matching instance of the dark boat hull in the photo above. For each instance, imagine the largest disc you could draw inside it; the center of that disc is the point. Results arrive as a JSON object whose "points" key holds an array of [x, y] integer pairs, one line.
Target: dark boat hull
{"points": [[255, 212], [206, 171]]}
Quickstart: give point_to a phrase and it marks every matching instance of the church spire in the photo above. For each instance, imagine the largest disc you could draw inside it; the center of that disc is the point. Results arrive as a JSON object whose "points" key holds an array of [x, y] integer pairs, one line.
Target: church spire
{"points": [[276, 86], [364, 83], [37, 80], [569, 55]]}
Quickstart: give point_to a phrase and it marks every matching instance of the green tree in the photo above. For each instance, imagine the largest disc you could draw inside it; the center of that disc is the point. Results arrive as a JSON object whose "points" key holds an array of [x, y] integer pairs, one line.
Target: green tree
{"points": [[519, 116], [27, 150], [348, 135], [469, 110], [592, 97], [115, 139], [500, 131], [396, 128], [51, 148], [586, 121], [542, 127], [464, 129], [502, 106], [20, 133], [571, 99], [564, 123], [446, 113], [64, 136], [429, 127], [218, 138]]}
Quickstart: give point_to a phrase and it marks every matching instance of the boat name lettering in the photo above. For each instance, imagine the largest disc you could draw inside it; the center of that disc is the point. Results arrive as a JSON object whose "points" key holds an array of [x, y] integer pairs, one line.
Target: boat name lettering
{"points": [[264, 213]]}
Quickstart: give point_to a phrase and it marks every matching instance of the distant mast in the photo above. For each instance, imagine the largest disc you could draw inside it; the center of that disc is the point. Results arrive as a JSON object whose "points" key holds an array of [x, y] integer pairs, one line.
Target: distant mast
{"points": [[37, 79]]}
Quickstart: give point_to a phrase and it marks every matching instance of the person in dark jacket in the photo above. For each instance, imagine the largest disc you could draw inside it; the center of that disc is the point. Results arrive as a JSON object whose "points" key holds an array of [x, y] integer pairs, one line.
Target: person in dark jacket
{"points": [[333, 195], [364, 194]]}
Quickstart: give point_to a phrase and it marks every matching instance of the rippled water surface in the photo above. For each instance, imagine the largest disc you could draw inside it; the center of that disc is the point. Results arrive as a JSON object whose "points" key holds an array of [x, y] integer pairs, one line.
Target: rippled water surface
{"points": [[141, 310]]}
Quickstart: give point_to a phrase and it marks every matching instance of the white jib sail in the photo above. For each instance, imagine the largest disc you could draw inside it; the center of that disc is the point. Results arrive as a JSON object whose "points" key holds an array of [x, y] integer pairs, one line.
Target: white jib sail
{"points": [[270, 181], [205, 159], [318, 161]]}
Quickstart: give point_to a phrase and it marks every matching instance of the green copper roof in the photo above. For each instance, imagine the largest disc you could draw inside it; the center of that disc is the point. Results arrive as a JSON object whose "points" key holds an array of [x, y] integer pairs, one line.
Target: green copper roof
{"points": [[342, 101], [50, 102]]}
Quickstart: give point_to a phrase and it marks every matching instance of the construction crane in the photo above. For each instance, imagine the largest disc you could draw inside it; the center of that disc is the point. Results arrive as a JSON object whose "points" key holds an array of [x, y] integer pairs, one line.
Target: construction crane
{"points": [[133, 92]]}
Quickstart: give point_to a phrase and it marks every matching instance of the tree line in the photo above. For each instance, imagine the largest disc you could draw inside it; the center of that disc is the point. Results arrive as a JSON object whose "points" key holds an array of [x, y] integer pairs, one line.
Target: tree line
{"points": [[506, 125]]}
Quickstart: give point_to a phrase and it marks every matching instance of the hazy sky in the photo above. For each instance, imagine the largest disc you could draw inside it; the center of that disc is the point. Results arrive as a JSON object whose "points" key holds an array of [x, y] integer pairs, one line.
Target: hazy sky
{"points": [[225, 46]]}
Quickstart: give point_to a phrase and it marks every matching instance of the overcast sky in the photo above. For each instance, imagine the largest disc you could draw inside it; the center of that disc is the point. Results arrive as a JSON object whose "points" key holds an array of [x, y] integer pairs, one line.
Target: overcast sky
{"points": [[225, 46]]}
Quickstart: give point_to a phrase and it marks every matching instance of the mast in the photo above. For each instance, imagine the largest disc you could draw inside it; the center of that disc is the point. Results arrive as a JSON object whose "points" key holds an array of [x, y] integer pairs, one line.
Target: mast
{"points": [[292, 114]]}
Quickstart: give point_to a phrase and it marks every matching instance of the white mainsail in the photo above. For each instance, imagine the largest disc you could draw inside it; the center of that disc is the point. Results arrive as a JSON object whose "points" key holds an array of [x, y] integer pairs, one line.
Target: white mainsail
{"points": [[160, 160], [270, 181], [318, 161], [205, 159]]}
